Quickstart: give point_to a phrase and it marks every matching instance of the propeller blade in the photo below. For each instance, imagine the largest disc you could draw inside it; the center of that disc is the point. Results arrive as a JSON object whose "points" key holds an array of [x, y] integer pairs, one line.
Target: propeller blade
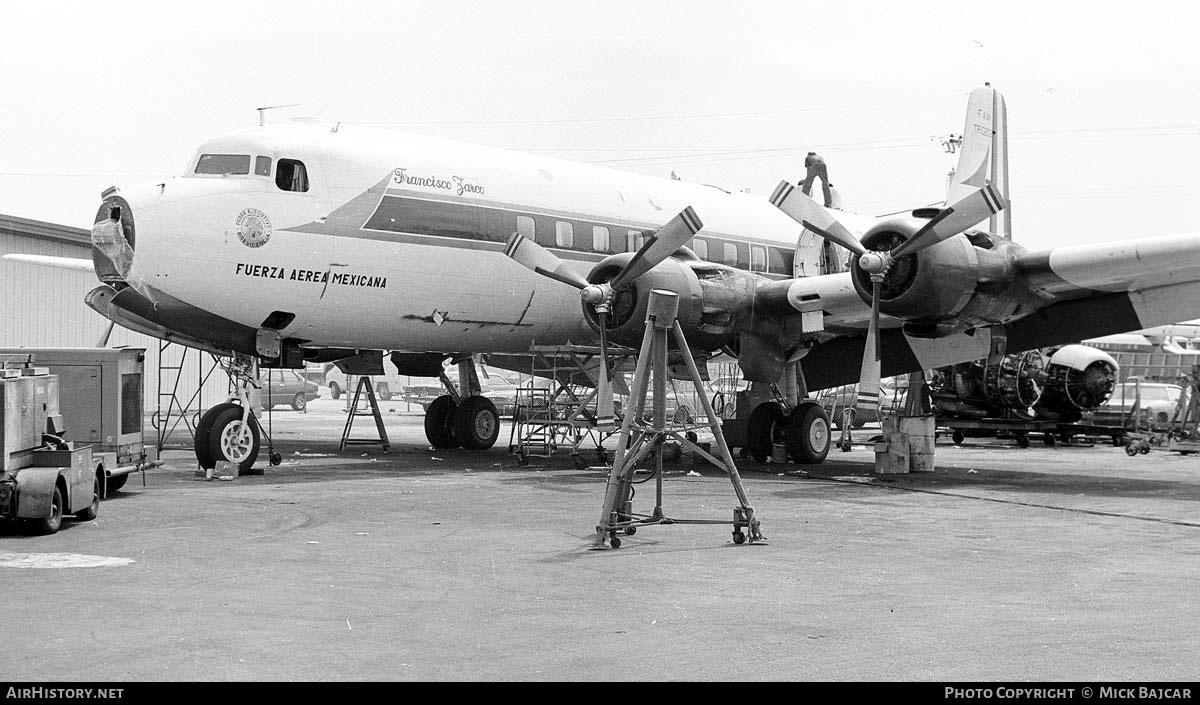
{"points": [[813, 216], [605, 415], [533, 256], [868, 382], [954, 219], [659, 246]]}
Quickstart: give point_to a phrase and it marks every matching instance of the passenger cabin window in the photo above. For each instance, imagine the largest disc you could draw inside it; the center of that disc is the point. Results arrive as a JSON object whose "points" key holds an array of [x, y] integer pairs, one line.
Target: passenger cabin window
{"points": [[599, 238], [262, 166], [525, 226], [700, 247], [780, 261], [729, 254], [634, 240], [758, 258], [290, 175], [564, 234], [223, 164]]}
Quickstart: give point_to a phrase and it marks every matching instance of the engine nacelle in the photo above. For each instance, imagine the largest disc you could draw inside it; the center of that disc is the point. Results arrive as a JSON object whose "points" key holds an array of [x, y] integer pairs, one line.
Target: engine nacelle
{"points": [[959, 282], [714, 300]]}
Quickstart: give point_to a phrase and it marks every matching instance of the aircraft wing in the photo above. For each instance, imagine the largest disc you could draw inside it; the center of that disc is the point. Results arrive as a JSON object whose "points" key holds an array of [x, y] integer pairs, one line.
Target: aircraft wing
{"points": [[72, 263], [1027, 300]]}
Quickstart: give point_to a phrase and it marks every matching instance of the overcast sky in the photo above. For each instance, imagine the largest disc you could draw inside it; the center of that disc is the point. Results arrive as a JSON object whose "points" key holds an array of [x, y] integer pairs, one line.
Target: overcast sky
{"points": [[1103, 99]]}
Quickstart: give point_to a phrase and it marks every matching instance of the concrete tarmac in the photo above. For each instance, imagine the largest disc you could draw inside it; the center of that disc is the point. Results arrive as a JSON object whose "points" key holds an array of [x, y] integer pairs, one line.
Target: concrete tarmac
{"points": [[1065, 563]]}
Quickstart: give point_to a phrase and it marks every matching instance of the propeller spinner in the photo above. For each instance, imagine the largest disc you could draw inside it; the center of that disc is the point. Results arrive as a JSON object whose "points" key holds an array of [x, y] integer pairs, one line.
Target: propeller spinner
{"points": [[659, 246]]}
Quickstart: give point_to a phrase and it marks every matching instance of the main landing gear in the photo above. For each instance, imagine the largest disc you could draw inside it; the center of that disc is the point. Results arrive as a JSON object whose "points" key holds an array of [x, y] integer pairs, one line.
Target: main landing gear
{"points": [[474, 424], [471, 421], [803, 432]]}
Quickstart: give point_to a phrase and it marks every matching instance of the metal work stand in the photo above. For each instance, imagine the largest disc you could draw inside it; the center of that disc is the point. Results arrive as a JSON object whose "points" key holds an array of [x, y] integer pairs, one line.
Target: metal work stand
{"points": [[566, 415], [637, 440], [364, 382]]}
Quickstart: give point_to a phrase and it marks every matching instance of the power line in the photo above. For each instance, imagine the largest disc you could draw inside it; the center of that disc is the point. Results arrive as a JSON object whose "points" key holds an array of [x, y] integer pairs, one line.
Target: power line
{"points": [[699, 154], [675, 116]]}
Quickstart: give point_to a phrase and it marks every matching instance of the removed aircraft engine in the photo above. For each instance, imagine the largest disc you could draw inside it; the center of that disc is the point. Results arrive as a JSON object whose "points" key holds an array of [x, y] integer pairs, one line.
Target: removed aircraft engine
{"points": [[1055, 385]]}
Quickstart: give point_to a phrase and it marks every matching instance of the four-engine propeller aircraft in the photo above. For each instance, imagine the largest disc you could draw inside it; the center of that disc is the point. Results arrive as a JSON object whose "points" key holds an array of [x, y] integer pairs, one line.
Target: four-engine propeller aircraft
{"points": [[304, 241]]}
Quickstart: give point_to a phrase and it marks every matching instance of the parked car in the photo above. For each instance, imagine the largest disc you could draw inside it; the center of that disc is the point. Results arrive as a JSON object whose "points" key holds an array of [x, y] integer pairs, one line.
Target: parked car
{"points": [[497, 387], [287, 387], [386, 385], [1155, 406], [681, 403], [837, 399]]}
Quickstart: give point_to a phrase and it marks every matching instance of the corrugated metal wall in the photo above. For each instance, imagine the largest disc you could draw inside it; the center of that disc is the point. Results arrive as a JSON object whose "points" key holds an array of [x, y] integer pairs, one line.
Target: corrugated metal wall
{"points": [[43, 307]]}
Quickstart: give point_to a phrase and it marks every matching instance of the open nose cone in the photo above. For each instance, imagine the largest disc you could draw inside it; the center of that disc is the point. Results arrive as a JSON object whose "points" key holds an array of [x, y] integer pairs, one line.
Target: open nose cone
{"points": [[113, 240]]}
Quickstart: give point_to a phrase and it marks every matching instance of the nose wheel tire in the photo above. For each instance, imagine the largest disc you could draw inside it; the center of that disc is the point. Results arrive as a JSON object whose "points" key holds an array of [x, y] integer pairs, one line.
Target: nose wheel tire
{"points": [[202, 444], [227, 441]]}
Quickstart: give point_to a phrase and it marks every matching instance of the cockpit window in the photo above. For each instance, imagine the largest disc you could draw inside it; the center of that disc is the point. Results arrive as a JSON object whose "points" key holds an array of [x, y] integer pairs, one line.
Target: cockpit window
{"points": [[223, 164], [262, 166], [290, 175]]}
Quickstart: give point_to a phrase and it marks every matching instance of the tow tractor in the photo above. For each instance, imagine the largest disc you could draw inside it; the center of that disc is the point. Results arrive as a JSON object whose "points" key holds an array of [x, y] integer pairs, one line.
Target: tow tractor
{"points": [[42, 477]]}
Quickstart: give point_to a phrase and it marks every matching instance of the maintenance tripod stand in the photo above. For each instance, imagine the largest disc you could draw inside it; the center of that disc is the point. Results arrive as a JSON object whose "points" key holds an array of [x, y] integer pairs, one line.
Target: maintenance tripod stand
{"points": [[638, 439]]}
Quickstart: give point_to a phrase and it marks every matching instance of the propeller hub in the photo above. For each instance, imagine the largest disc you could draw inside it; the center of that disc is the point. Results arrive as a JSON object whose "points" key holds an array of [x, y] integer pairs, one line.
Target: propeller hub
{"points": [[598, 295], [874, 263]]}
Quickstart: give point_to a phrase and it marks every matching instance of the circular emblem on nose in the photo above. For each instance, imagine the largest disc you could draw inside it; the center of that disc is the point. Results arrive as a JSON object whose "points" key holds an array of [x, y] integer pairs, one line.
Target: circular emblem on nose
{"points": [[253, 227]]}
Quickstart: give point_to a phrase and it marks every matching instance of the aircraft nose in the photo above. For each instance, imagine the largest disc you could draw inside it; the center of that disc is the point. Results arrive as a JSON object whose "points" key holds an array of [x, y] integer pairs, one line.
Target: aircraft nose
{"points": [[113, 239]]}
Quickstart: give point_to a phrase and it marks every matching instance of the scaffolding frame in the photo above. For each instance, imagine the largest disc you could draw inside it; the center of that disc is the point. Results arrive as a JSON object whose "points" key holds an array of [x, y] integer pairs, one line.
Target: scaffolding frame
{"points": [[547, 419]]}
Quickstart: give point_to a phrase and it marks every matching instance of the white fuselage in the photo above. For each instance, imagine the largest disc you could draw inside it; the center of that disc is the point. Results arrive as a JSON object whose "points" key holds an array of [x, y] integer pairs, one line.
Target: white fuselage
{"points": [[398, 241]]}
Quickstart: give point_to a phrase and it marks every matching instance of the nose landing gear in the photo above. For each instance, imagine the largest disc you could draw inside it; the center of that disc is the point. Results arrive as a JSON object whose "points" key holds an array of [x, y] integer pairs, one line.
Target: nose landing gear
{"points": [[229, 431]]}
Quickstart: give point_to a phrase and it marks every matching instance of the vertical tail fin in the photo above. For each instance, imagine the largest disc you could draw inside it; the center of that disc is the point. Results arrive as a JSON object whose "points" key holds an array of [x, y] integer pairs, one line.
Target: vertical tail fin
{"points": [[983, 158]]}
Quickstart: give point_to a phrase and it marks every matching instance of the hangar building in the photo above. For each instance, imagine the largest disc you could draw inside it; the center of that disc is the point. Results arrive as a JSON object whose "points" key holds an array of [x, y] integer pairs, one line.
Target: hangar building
{"points": [[43, 307]]}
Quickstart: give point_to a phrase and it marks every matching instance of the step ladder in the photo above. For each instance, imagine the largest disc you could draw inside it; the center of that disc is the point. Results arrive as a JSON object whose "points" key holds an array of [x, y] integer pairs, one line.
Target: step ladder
{"points": [[364, 382], [533, 429]]}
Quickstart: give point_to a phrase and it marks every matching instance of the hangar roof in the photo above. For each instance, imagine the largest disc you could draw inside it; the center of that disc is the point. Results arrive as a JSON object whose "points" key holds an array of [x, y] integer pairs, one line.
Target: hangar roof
{"points": [[12, 225]]}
